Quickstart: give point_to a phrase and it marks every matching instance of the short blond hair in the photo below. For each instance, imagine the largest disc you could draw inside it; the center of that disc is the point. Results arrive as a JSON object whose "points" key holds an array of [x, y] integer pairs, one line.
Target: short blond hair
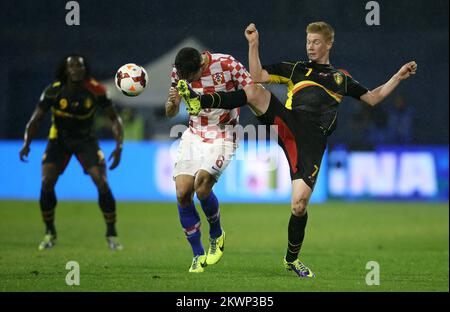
{"points": [[321, 28]]}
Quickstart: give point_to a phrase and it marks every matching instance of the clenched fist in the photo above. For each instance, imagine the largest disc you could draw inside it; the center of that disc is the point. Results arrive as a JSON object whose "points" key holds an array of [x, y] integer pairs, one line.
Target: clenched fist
{"points": [[407, 70], [251, 33]]}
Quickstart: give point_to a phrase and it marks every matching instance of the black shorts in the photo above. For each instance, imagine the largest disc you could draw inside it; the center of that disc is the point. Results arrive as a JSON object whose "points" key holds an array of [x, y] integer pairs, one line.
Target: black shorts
{"points": [[86, 150], [300, 137]]}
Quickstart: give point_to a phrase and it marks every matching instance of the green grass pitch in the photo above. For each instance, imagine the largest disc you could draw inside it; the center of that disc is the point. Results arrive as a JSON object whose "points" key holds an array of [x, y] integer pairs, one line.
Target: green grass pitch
{"points": [[409, 241]]}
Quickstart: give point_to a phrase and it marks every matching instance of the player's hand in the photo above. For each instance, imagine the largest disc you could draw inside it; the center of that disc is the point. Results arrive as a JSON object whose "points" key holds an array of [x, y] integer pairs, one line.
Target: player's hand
{"points": [[116, 154], [407, 70], [23, 154], [174, 97], [251, 33]]}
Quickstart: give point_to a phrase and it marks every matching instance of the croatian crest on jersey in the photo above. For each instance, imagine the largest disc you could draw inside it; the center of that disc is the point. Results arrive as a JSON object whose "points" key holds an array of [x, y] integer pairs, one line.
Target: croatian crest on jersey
{"points": [[218, 78], [338, 78]]}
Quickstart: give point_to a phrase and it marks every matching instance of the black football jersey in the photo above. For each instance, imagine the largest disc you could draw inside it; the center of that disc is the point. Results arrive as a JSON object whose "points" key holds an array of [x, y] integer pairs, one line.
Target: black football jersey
{"points": [[315, 88], [73, 112]]}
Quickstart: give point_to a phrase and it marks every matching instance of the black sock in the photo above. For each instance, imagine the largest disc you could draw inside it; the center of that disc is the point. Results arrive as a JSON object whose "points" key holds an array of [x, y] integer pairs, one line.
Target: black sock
{"points": [[225, 100], [107, 204], [47, 202], [296, 233]]}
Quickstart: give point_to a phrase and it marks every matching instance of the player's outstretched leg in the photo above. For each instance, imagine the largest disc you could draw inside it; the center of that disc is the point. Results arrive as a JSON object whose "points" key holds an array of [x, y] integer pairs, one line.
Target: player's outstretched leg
{"points": [[220, 100], [210, 206], [190, 221]]}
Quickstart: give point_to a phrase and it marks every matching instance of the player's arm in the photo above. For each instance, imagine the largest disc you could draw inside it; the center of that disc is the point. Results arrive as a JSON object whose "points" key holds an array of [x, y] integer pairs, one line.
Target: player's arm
{"points": [[379, 94], [173, 103], [258, 73], [31, 130], [117, 130], [116, 122], [174, 99]]}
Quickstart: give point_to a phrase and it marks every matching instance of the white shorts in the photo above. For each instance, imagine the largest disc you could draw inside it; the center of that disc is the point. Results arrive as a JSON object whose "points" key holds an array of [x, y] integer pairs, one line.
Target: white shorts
{"points": [[194, 155]]}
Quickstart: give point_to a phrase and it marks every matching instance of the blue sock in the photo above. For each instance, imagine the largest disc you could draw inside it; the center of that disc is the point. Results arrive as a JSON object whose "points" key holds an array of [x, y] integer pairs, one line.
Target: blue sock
{"points": [[190, 221], [210, 206]]}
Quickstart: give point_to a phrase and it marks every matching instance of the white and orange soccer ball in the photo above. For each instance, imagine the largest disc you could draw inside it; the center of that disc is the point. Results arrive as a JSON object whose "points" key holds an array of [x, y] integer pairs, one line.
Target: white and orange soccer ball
{"points": [[131, 79]]}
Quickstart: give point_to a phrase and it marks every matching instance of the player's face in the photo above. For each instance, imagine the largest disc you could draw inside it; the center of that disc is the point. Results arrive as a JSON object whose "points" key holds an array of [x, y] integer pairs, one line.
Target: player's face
{"points": [[198, 74], [76, 69], [316, 47], [195, 76]]}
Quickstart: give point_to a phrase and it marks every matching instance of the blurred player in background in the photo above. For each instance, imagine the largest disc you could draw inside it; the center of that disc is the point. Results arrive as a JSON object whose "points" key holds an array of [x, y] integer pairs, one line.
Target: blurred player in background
{"points": [[315, 89], [73, 99], [206, 147]]}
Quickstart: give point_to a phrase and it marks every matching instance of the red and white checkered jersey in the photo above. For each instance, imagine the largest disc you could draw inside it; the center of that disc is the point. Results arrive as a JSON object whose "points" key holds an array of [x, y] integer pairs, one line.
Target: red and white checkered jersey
{"points": [[224, 73]]}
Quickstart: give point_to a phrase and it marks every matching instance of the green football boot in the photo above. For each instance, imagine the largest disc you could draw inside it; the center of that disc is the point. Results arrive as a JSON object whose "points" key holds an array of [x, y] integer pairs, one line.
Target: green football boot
{"points": [[299, 268], [191, 99], [198, 263], [48, 242], [216, 247], [113, 243]]}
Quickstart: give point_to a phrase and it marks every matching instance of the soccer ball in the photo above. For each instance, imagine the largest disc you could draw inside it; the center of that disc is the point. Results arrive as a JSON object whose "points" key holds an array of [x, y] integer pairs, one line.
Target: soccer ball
{"points": [[131, 79]]}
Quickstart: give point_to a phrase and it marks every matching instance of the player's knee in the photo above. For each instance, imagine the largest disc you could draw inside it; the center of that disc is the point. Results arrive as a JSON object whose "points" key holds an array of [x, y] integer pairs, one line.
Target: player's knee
{"points": [[48, 183], [298, 207], [203, 191], [101, 183], [203, 185], [184, 196], [103, 186]]}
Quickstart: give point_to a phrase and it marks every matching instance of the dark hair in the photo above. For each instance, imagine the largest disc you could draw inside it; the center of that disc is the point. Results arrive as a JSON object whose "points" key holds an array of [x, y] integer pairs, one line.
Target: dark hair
{"points": [[187, 62], [61, 73]]}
